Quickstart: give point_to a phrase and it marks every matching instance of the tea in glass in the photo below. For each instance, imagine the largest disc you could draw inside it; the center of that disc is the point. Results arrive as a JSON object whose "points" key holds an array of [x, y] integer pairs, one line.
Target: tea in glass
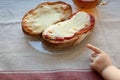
{"points": [[86, 4]]}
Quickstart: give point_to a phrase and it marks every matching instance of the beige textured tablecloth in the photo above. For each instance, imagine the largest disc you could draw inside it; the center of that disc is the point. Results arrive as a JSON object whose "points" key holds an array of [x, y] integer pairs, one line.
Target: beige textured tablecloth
{"points": [[17, 51]]}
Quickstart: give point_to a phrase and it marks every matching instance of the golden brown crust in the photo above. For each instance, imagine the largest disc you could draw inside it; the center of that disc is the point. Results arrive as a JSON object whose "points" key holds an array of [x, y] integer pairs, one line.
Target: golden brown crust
{"points": [[66, 43], [29, 31], [53, 3], [79, 36], [60, 44]]}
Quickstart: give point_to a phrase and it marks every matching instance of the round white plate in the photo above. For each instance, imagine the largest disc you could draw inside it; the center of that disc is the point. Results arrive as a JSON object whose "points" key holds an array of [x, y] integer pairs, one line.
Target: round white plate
{"points": [[37, 44]]}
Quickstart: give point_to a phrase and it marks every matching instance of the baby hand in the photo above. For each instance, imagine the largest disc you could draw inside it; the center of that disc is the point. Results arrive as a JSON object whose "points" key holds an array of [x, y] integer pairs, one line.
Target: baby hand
{"points": [[99, 59]]}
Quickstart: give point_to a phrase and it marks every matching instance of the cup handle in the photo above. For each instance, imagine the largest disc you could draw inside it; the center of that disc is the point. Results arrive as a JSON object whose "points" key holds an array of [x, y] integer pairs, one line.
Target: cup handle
{"points": [[104, 2]]}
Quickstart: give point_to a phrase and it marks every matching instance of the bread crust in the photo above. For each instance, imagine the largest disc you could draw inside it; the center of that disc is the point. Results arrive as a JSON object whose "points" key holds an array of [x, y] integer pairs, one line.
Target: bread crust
{"points": [[67, 12], [76, 39]]}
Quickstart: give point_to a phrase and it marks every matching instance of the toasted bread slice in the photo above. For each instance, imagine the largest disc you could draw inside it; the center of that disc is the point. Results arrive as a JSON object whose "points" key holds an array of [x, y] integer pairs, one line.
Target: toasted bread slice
{"points": [[44, 15], [69, 32]]}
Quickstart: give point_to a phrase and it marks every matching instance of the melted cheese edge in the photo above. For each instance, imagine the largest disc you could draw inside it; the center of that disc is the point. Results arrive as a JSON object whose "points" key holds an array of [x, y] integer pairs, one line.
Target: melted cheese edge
{"points": [[69, 27], [44, 17]]}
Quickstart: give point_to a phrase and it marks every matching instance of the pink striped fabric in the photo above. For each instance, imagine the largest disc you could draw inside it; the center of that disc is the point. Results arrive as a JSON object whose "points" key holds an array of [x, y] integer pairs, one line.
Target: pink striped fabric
{"points": [[50, 75]]}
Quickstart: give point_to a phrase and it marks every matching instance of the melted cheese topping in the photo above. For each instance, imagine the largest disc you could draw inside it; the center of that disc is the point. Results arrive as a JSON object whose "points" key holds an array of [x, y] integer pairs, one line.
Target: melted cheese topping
{"points": [[68, 28], [44, 17]]}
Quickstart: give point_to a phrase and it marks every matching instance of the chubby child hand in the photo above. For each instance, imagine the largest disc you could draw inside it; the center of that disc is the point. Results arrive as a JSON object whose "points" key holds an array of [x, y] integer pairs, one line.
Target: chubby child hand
{"points": [[99, 59]]}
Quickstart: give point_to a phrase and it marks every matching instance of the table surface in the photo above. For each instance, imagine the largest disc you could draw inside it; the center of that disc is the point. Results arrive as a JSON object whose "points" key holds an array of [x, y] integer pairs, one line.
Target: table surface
{"points": [[17, 51]]}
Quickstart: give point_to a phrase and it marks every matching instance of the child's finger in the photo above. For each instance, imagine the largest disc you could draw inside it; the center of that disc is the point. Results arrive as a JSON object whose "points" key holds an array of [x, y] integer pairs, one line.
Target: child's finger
{"points": [[93, 48], [94, 54]]}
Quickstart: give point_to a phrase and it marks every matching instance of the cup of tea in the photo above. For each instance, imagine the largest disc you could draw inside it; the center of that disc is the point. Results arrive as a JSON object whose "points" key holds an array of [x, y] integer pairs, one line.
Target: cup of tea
{"points": [[89, 4]]}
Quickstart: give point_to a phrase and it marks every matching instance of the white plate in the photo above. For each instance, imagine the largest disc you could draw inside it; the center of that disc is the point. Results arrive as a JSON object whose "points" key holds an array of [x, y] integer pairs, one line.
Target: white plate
{"points": [[37, 44]]}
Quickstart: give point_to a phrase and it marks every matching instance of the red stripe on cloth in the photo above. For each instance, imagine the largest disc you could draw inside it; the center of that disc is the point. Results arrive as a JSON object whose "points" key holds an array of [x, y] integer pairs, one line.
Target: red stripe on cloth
{"points": [[55, 75]]}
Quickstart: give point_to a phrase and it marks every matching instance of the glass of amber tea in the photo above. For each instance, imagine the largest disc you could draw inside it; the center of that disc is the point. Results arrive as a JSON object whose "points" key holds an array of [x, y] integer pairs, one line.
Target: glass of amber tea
{"points": [[88, 4]]}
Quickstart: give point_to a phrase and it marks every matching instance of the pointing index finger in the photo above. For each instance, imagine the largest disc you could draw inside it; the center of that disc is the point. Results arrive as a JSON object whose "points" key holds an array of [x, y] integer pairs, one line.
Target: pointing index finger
{"points": [[93, 48]]}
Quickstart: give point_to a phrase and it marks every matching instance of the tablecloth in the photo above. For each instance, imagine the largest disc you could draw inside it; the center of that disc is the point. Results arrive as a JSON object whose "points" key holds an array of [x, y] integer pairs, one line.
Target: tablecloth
{"points": [[19, 52]]}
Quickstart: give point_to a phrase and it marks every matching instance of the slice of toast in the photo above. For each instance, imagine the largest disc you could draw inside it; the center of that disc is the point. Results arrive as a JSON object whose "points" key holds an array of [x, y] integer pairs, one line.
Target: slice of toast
{"points": [[44, 15], [70, 32]]}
